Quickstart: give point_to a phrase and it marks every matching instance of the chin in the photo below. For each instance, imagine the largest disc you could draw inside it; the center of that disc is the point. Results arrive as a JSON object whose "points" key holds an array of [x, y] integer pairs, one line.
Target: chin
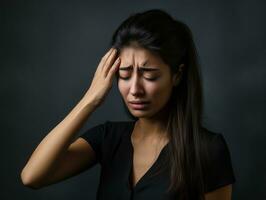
{"points": [[141, 113]]}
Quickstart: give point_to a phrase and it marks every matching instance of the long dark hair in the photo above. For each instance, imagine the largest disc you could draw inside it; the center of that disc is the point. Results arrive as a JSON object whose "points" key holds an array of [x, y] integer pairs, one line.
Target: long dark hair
{"points": [[157, 31]]}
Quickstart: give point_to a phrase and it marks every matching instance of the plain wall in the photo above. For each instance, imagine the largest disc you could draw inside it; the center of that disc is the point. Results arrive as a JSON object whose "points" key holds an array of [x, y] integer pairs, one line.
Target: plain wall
{"points": [[51, 49]]}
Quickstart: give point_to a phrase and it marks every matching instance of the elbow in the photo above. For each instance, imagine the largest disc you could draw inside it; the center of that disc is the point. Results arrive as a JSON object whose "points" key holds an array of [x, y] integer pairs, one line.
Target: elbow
{"points": [[27, 181]]}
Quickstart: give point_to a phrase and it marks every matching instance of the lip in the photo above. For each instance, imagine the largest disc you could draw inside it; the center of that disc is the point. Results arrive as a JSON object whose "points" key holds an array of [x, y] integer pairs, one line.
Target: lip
{"points": [[138, 102], [138, 106]]}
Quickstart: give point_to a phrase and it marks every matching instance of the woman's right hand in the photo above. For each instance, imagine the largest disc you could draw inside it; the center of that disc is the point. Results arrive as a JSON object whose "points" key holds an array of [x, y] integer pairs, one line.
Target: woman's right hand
{"points": [[103, 78]]}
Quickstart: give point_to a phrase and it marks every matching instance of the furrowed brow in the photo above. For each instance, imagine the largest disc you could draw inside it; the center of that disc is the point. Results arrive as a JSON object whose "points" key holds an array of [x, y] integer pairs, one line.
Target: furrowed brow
{"points": [[141, 68]]}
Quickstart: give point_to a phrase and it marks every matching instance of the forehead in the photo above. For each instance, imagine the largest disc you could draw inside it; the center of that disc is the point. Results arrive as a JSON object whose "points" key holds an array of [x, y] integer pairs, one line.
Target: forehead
{"points": [[137, 56]]}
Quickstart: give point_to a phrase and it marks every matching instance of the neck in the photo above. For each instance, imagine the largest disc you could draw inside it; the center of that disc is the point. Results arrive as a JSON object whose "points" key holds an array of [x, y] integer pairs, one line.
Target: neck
{"points": [[153, 126]]}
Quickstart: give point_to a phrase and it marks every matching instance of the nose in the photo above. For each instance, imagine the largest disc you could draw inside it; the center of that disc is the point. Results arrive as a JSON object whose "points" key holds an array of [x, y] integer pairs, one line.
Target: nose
{"points": [[136, 87]]}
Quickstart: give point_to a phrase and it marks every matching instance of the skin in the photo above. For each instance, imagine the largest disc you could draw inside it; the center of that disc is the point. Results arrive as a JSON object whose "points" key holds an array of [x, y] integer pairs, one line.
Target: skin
{"points": [[138, 87], [149, 126]]}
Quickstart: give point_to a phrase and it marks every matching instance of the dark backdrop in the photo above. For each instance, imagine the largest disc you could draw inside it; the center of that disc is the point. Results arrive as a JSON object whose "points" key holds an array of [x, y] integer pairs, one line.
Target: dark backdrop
{"points": [[50, 50]]}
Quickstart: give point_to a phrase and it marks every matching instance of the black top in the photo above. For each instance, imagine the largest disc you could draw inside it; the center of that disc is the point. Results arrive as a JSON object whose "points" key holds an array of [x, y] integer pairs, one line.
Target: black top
{"points": [[111, 142]]}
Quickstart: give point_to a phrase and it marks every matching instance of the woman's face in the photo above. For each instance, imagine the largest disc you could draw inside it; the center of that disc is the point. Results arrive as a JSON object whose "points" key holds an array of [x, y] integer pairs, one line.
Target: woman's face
{"points": [[143, 76]]}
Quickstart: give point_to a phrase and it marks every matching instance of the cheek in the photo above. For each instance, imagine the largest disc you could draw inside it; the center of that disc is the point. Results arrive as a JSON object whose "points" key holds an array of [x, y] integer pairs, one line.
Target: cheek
{"points": [[160, 92], [122, 88], [154, 91]]}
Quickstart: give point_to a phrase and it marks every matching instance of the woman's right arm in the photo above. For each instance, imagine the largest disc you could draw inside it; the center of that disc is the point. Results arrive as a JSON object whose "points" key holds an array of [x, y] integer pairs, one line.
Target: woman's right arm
{"points": [[58, 156]]}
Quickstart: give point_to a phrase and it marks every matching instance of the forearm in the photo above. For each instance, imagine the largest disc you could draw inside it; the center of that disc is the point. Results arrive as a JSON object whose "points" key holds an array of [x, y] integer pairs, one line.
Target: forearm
{"points": [[56, 142]]}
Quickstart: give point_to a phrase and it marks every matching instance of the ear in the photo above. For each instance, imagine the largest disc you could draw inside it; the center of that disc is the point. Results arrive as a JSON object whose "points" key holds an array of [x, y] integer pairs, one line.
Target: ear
{"points": [[177, 76]]}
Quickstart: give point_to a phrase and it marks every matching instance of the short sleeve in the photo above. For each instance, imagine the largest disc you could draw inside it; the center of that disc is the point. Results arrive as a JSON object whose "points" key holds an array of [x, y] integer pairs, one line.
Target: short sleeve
{"points": [[94, 136], [219, 170]]}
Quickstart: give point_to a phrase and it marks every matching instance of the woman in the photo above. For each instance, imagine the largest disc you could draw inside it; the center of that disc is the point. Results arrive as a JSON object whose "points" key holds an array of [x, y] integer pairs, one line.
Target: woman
{"points": [[165, 152]]}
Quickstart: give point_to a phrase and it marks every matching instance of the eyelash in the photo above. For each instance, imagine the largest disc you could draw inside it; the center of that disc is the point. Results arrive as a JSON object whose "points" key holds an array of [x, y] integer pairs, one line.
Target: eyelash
{"points": [[150, 79]]}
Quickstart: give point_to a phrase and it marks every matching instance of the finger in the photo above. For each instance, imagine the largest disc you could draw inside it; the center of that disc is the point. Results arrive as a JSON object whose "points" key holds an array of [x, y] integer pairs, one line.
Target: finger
{"points": [[114, 68], [104, 58], [109, 62], [108, 55]]}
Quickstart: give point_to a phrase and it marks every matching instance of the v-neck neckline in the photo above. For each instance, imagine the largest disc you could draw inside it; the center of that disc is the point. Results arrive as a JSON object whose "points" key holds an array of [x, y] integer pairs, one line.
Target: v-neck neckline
{"points": [[131, 158]]}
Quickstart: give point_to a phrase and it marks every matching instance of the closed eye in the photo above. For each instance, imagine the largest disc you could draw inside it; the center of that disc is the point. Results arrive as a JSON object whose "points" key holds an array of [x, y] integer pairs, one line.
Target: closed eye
{"points": [[150, 79]]}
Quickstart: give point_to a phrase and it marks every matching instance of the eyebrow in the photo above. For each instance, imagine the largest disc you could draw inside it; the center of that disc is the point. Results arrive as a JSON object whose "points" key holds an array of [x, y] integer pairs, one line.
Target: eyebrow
{"points": [[142, 68]]}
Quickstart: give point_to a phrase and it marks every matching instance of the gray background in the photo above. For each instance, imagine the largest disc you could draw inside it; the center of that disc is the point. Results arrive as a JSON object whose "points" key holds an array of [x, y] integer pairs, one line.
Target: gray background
{"points": [[50, 50]]}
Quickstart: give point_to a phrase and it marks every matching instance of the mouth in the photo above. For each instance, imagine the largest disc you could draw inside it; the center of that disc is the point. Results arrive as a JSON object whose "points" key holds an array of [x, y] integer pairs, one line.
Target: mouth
{"points": [[138, 102], [139, 105]]}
